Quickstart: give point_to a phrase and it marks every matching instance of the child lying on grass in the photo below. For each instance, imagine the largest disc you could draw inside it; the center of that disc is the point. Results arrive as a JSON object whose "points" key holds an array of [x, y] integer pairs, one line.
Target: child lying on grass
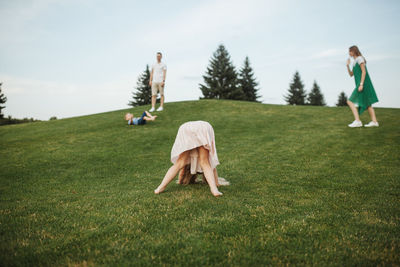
{"points": [[146, 116]]}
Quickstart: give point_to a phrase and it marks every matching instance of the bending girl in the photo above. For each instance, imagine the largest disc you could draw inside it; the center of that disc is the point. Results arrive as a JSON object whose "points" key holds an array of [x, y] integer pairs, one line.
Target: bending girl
{"points": [[194, 150]]}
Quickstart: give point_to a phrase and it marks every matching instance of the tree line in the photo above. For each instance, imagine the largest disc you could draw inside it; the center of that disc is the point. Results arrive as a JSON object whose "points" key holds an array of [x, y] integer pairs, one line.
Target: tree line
{"points": [[223, 81], [297, 95]]}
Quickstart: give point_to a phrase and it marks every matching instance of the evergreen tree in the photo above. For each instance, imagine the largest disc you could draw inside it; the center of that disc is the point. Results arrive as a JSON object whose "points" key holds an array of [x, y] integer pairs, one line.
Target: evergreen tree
{"points": [[220, 80], [342, 100], [3, 100], [296, 94], [247, 82], [142, 96], [315, 97]]}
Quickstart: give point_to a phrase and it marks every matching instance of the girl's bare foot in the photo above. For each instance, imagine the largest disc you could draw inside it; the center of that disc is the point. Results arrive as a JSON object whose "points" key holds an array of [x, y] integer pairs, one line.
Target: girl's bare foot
{"points": [[158, 190], [217, 194]]}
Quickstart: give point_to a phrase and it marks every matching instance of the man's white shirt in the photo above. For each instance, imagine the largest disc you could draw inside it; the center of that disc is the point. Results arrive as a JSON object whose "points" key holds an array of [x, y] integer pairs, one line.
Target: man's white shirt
{"points": [[158, 72]]}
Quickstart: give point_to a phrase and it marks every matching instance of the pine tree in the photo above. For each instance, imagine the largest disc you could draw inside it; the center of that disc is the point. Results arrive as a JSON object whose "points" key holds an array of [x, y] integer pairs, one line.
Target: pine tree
{"points": [[296, 94], [220, 80], [247, 82], [3, 100], [142, 96], [315, 97], [342, 100]]}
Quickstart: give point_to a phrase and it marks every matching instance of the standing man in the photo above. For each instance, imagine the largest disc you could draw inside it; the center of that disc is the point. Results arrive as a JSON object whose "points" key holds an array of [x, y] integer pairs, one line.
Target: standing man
{"points": [[157, 82]]}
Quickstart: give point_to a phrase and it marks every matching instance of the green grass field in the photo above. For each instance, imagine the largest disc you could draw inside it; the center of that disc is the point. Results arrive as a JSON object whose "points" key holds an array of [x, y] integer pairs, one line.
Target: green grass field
{"points": [[305, 190]]}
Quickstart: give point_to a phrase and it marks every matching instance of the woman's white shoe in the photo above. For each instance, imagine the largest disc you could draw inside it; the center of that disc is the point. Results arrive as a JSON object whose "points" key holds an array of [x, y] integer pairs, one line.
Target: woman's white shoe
{"points": [[372, 124], [355, 124]]}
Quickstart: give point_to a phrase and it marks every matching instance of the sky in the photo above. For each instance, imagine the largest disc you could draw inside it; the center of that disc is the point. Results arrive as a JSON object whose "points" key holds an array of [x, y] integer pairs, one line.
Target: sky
{"points": [[69, 58]]}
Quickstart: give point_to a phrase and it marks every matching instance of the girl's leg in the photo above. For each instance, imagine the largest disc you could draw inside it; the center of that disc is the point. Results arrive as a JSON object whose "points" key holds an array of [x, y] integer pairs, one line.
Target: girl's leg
{"points": [[208, 172], [371, 112], [216, 177], [171, 173], [354, 110]]}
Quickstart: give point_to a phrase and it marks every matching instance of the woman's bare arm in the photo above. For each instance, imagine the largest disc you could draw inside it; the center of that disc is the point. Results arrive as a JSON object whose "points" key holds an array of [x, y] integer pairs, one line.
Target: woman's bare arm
{"points": [[348, 68], [363, 74]]}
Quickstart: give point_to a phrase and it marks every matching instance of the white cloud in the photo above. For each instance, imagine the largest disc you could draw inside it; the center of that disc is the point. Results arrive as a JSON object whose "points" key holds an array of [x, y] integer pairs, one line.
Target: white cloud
{"points": [[215, 20], [333, 52], [17, 18], [380, 57]]}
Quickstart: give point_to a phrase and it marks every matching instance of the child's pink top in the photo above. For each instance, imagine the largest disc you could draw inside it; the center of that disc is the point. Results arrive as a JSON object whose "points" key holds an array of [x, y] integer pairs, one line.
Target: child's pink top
{"points": [[194, 134]]}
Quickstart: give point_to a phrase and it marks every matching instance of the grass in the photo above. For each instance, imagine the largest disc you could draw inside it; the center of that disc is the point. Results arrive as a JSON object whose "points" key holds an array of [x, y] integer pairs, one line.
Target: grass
{"points": [[305, 190]]}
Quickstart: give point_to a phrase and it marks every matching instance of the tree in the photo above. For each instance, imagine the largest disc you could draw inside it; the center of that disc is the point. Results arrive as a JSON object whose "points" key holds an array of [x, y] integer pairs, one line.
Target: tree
{"points": [[142, 96], [247, 82], [315, 97], [3, 100], [296, 94], [220, 80], [342, 100]]}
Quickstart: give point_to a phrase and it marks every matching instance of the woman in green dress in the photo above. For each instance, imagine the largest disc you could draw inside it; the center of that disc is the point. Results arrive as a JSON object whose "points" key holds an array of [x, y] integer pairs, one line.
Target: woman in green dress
{"points": [[364, 94]]}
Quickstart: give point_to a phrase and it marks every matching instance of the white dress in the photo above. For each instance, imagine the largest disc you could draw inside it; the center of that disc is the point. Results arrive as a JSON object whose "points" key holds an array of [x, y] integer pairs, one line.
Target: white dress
{"points": [[191, 135]]}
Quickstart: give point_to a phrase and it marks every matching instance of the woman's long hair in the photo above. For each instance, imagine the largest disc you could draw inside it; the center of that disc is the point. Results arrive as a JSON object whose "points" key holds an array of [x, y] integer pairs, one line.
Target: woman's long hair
{"points": [[185, 177], [354, 49]]}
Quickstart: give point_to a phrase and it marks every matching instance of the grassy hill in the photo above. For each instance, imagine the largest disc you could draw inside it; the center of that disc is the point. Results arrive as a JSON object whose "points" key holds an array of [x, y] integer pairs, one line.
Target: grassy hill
{"points": [[305, 189]]}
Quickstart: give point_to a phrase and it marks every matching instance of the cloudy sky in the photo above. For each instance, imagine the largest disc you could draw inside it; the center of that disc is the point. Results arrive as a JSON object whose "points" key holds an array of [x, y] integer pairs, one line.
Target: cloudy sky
{"points": [[68, 58]]}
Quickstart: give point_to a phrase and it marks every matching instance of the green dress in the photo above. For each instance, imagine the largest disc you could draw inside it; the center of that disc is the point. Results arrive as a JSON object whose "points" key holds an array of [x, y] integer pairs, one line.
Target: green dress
{"points": [[367, 96]]}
